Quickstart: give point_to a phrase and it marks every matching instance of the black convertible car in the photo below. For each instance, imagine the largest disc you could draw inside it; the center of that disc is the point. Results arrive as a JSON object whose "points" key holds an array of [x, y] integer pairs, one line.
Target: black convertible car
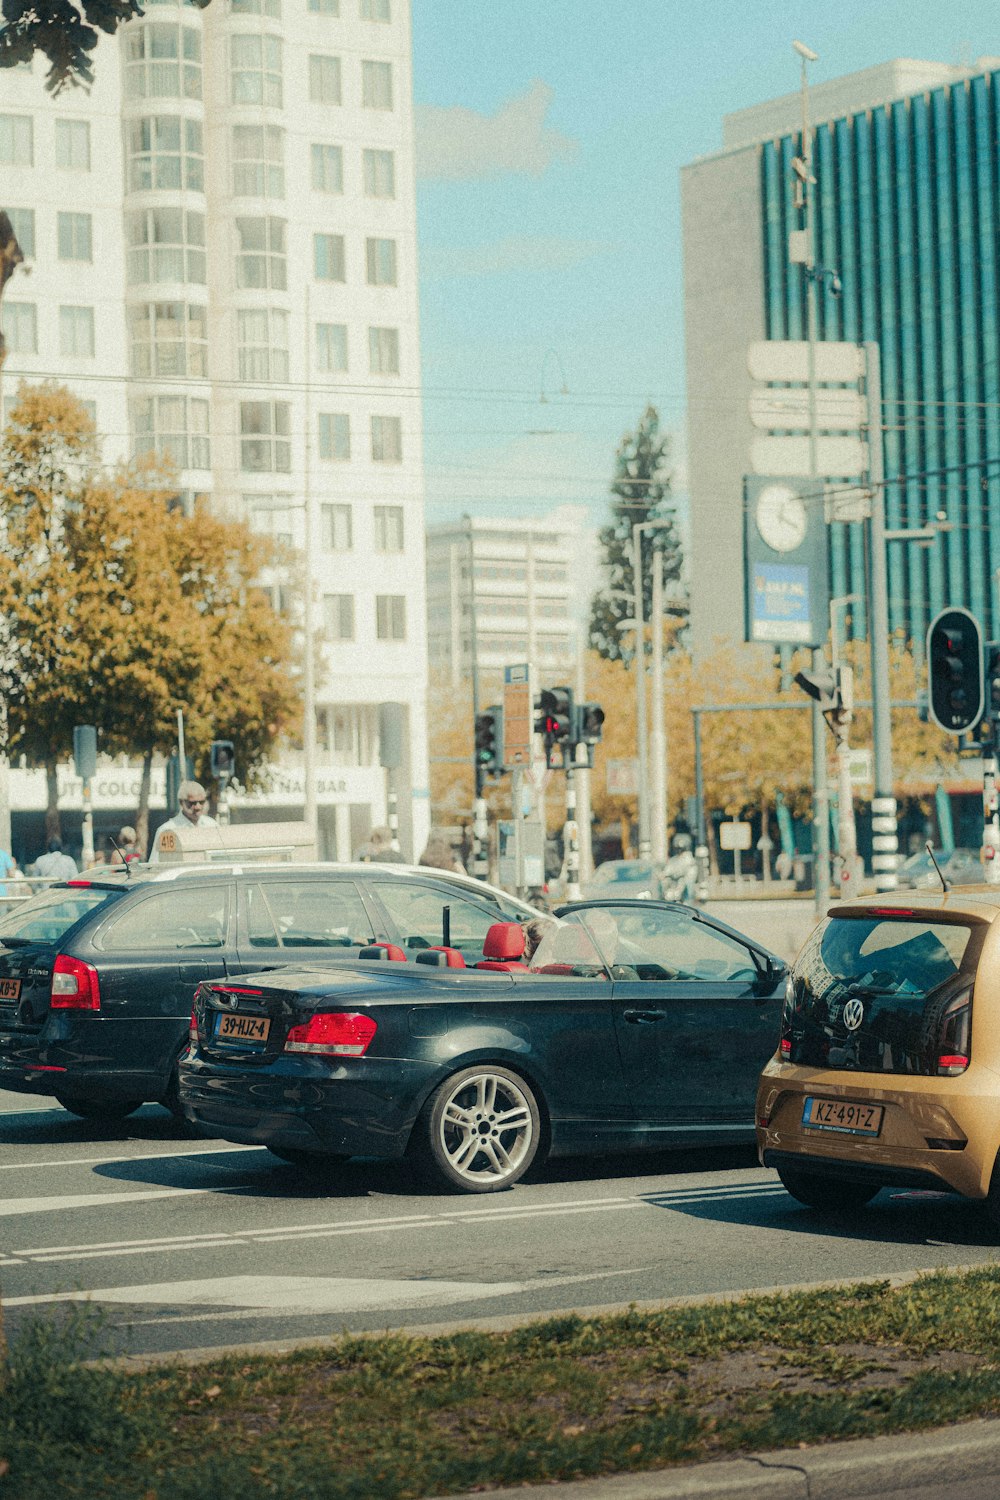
{"points": [[635, 1024]]}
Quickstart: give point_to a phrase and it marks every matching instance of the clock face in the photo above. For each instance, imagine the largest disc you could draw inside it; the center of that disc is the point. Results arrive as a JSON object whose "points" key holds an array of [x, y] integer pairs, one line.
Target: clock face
{"points": [[781, 517]]}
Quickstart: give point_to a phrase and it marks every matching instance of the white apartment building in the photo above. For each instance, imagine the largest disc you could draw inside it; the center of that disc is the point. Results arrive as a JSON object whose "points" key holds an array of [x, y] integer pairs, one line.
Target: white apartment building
{"points": [[518, 581], [221, 238]]}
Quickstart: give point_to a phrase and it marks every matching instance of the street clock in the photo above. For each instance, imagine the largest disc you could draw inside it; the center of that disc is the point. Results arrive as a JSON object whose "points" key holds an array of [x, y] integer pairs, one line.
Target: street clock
{"points": [[781, 517]]}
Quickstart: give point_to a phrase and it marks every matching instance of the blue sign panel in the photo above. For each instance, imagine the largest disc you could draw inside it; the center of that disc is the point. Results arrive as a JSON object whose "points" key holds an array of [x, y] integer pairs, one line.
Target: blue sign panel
{"points": [[780, 607]]}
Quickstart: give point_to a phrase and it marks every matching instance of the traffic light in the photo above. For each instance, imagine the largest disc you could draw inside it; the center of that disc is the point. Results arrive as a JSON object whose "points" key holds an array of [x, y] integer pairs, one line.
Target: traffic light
{"points": [[955, 670], [222, 759], [555, 723], [991, 689], [489, 739], [589, 726], [823, 685]]}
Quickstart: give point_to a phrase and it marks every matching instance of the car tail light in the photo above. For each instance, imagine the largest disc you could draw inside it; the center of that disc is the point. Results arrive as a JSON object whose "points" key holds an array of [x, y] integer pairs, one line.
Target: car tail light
{"points": [[74, 985], [953, 1036], [787, 1011], [340, 1033], [193, 1028]]}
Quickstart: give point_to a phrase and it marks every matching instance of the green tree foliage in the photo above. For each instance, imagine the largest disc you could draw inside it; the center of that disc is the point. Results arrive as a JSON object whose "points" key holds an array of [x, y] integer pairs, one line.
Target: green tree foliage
{"points": [[640, 492], [65, 32], [116, 611]]}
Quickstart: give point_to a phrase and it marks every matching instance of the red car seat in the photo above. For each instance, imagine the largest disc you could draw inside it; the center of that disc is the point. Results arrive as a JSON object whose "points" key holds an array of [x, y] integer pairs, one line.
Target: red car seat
{"points": [[504, 947]]}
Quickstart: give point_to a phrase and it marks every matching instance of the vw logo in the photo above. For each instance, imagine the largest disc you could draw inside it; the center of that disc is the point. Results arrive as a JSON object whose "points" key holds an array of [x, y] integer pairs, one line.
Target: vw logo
{"points": [[854, 1014]]}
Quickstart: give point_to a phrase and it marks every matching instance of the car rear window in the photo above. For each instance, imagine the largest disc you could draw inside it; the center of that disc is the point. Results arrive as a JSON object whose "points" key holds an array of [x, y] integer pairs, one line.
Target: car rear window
{"points": [[47, 916], [869, 992]]}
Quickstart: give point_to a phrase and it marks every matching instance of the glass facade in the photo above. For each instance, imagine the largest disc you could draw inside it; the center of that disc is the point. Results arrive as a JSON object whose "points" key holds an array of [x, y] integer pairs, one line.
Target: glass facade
{"points": [[906, 212]]}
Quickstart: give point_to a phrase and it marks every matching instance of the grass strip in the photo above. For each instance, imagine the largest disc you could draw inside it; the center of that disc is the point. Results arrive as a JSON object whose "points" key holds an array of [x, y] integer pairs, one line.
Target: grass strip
{"points": [[397, 1418]]}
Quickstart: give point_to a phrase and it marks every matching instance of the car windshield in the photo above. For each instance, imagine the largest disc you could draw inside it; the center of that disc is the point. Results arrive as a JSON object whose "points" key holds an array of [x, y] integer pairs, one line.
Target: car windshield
{"points": [[901, 973], [47, 916]]}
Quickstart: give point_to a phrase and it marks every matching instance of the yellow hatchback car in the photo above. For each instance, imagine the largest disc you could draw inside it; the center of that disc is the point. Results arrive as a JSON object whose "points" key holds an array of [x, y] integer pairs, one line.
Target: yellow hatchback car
{"points": [[887, 1072]]}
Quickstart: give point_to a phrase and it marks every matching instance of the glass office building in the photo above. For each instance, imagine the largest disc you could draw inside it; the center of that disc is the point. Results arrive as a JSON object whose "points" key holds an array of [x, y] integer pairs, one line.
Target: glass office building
{"points": [[906, 211]]}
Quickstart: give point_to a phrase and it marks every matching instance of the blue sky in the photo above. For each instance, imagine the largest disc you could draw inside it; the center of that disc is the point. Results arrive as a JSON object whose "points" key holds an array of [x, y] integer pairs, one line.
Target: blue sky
{"points": [[550, 139]]}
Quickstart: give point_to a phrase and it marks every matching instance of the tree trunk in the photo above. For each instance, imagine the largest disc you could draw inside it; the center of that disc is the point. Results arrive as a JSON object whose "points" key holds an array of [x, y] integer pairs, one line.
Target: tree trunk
{"points": [[142, 811], [53, 826]]}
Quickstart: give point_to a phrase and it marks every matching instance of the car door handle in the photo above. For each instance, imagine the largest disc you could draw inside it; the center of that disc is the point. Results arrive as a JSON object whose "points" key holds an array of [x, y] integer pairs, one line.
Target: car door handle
{"points": [[644, 1017]]}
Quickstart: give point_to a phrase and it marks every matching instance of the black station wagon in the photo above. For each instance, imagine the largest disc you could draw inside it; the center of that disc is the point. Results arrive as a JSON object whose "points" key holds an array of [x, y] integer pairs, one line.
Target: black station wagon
{"points": [[97, 975]]}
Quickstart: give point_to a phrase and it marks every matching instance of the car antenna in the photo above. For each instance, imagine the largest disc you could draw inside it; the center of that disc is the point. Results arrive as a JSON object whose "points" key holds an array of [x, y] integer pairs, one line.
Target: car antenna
{"points": [[945, 884], [121, 856]]}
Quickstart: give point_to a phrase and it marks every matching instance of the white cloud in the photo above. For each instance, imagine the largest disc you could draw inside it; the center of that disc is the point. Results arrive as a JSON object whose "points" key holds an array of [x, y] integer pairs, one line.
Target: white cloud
{"points": [[460, 144], [514, 253]]}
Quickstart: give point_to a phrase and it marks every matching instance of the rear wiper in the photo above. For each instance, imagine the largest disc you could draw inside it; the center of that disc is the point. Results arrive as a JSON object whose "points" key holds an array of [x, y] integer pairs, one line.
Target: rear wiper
{"points": [[19, 942]]}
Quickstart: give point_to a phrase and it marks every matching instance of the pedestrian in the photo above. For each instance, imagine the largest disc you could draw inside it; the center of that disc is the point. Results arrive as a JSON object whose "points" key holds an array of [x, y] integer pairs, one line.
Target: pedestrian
{"points": [[128, 849], [8, 867], [438, 853], [55, 864], [379, 849], [193, 800]]}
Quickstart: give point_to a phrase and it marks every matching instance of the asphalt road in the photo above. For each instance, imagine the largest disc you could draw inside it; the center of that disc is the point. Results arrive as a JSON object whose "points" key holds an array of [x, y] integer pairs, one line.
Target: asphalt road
{"points": [[191, 1244]]}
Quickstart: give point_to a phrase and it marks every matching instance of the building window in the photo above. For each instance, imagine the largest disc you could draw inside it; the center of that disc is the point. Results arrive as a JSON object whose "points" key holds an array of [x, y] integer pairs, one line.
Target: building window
{"points": [[383, 351], [73, 145], [390, 617], [379, 168], [338, 617], [271, 515], [258, 161], [331, 348], [376, 85], [375, 10], [256, 69], [325, 7], [388, 528], [380, 259], [165, 152], [76, 331], [22, 221], [327, 168], [162, 62], [328, 256], [17, 141], [387, 440], [256, 8], [324, 79], [263, 343], [265, 428], [166, 244], [73, 233], [338, 534], [334, 436], [20, 327], [176, 426], [169, 338], [260, 260]]}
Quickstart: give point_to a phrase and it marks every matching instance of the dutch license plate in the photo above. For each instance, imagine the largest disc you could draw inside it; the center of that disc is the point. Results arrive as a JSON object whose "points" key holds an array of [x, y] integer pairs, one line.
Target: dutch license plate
{"points": [[242, 1028], [10, 989], [840, 1114]]}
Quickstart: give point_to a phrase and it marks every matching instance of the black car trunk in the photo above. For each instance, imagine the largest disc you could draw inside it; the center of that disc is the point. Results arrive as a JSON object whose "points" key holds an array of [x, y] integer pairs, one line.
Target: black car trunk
{"points": [[883, 994], [31, 935]]}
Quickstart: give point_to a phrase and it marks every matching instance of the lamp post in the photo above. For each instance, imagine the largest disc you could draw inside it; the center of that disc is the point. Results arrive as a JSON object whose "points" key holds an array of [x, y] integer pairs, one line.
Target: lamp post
{"points": [[821, 799]]}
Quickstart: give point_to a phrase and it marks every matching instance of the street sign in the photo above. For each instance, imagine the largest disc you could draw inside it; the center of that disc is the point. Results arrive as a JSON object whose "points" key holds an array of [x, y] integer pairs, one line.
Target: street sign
{"points": [[861, 765], [773, 407], [788, 359], [735, 835], [518, 719], [623, 777], [789, 454]]}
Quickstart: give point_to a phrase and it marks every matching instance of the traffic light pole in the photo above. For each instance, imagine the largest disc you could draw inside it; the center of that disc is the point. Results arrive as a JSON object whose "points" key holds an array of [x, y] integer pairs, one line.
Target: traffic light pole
{"points": [[885, 827], [571, 836], [480, 824]]}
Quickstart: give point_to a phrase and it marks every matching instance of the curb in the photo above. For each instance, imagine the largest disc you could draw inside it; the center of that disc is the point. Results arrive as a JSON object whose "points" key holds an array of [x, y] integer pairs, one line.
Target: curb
{"points": [[904, 1462]]}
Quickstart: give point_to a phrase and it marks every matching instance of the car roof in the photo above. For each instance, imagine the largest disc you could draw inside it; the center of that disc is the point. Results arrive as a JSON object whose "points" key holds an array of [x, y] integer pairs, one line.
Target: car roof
{"points": [[146, 875], [980, 902]]}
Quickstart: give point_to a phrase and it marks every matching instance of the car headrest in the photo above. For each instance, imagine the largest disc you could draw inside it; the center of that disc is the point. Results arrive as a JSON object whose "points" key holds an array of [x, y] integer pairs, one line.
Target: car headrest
{"points": [[504, 940], [441, 958], [383, 950]]}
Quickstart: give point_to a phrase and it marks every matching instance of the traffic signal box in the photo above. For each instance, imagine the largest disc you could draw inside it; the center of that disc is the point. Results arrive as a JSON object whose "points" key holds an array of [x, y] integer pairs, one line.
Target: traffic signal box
{"points": [[588, 728], [555, 723], [489, 740], [222, 759], [955, 671]]}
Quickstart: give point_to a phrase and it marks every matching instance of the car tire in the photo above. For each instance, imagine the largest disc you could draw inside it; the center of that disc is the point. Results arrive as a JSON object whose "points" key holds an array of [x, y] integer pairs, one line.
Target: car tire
{"points": [[100, 1109], [479, 1131], [832, 1195]]}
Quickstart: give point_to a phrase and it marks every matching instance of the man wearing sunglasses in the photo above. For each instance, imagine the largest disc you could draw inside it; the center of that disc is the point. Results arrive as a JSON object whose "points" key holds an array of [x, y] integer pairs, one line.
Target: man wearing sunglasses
{"points": [[192, 814]]}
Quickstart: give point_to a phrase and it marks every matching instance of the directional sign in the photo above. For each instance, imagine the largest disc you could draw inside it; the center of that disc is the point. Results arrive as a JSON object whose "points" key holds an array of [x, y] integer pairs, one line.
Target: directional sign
{"points": [[838, 410], [518, 719], [788, 359], [789, 454]]}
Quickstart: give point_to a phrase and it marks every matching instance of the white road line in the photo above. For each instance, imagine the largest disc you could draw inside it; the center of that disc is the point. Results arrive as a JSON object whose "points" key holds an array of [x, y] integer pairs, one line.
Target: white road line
{"points": [[15, 1207], [91, 1161]]}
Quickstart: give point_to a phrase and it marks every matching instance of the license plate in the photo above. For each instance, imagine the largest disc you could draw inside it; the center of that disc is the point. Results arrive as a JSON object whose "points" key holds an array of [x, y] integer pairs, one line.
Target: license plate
{"points": [[843, 1116], [242, 1028], [10, 989]]}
